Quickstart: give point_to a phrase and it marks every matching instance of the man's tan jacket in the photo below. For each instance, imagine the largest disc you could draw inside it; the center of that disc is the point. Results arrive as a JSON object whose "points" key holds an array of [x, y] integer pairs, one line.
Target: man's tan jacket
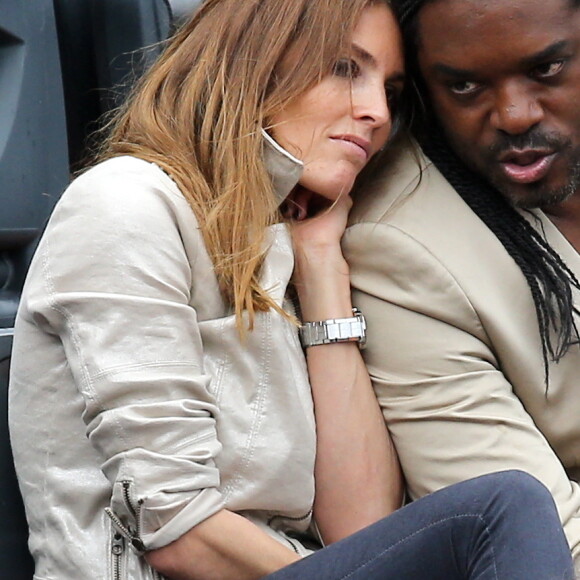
{"points": [[453, 342]]}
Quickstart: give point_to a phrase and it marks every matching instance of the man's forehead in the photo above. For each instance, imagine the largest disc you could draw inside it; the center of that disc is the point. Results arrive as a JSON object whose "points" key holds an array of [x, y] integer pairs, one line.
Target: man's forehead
{"points": [[477, 16], [492, 27]]}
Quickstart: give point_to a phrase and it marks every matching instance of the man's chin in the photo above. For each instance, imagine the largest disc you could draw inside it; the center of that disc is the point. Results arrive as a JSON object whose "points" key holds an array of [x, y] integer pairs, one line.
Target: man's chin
{"points": [[552, 190], [535, 195]]}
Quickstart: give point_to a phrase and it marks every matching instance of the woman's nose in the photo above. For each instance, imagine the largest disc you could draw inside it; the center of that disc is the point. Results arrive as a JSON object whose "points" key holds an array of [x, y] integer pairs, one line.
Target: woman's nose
{"points": [[370, 104]]}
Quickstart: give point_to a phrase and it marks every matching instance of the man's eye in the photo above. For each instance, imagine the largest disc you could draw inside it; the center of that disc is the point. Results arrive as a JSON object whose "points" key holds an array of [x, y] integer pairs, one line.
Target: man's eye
{"points": [[548, 69], [346, 67], [464, 88], [397, 110], [393, 98]]}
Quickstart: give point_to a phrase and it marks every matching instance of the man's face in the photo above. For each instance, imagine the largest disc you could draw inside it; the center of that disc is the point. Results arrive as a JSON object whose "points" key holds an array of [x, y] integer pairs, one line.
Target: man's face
{"points": [[504, 81]]}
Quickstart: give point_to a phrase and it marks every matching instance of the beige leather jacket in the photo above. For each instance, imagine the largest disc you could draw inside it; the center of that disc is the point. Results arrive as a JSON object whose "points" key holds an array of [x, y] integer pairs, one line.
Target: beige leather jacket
{"points": [[135, 411], [454, 349]]}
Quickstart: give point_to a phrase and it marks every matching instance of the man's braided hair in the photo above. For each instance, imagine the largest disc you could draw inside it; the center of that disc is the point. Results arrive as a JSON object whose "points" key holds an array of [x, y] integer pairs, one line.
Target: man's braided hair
{"points": [[550, 280]]}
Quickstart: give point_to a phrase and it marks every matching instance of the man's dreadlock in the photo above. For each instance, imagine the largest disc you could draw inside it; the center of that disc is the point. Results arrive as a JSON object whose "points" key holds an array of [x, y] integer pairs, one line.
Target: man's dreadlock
{"points": [[550, 280]]}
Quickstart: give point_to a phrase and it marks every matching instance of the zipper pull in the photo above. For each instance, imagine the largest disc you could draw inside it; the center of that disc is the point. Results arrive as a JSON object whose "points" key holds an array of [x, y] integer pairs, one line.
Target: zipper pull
{"points": [[117, 549], [118, 544]]}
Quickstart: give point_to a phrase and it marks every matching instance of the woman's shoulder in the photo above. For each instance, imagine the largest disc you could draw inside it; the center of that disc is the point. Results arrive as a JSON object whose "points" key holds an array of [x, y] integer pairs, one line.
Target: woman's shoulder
{"points": [[125, 187], [127, 174], [122, 214]]}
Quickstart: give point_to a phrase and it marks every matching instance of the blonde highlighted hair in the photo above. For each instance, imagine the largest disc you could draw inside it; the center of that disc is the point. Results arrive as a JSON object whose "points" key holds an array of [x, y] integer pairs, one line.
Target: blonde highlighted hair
{"points": [[199, 111]]}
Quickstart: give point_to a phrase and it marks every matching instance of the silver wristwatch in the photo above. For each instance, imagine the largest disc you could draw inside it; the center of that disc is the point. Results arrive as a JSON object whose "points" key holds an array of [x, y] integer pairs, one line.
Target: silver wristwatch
{"points": [[353, 329]]}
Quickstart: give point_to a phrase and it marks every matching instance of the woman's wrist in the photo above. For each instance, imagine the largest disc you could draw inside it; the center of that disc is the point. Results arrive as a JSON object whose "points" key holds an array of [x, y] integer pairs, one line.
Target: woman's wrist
{"points": [[323, 292], [321, 266], [325, 301]]}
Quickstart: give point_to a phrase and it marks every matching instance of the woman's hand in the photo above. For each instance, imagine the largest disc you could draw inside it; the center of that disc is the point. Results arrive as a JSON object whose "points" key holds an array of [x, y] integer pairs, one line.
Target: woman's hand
{"points": [[318, 223], [320, 268]]}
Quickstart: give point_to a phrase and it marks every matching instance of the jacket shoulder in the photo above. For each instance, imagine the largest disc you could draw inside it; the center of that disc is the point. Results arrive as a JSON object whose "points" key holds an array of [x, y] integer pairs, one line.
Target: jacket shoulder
{"points": [[405, 190], [122, 182], [414, 230]]}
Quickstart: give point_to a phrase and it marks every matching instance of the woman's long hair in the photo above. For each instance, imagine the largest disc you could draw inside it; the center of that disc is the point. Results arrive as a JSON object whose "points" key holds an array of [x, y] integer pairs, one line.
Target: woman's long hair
{"points": [[199, 111]]}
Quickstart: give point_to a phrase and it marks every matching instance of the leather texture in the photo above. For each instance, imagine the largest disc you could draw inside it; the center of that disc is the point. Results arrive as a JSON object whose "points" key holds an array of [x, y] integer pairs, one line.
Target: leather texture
{"points": [[453, 344], [131, 390]]}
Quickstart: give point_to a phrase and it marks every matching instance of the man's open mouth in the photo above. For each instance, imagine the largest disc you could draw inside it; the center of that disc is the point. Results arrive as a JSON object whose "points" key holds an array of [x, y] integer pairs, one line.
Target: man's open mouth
{"points": [[526, 166]]}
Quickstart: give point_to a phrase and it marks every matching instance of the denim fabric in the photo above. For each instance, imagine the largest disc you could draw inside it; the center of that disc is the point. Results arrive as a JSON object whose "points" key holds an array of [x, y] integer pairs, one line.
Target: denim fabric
{"points": [[502, 526]]}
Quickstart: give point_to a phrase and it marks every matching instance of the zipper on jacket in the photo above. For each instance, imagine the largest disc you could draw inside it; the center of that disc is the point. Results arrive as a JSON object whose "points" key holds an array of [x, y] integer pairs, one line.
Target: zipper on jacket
{"points": [[133, 535], [118, 523], [295, 519], [136, 513], [117, 550], [292, 544]]}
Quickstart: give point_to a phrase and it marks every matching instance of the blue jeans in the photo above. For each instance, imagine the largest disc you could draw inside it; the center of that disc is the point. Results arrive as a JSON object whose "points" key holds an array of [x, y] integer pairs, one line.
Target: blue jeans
{"points": [[502, 526]]}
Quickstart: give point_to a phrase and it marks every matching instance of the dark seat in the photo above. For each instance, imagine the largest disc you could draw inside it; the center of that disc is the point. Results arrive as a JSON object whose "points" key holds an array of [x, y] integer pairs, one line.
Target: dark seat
{"points": [[15, 560], [104, 46], [42, 132], [102, 50], [33, 170]]}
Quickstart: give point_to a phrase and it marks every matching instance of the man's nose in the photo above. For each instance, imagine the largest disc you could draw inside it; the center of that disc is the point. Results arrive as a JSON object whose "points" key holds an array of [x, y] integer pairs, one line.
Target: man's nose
{"points": [[516, 109]]}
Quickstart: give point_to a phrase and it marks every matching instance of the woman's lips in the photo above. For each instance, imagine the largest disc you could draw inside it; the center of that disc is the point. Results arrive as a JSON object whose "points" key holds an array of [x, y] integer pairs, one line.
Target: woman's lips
{"points": [[527, 167], [354, 144]]}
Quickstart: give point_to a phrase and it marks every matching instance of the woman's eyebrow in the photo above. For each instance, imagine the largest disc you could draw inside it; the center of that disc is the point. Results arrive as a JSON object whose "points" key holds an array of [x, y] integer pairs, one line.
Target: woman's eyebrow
{"points": [[368, 58], [365, 56]]}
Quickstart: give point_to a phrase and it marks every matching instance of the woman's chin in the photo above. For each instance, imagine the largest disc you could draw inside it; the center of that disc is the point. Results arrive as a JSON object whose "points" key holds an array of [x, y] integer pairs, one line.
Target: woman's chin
{"points": [[334, 189], [330, 181]]}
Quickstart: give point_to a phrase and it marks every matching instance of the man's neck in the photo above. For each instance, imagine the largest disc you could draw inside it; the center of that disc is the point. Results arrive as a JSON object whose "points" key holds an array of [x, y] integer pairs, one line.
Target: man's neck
{"points": [[566, 217]]}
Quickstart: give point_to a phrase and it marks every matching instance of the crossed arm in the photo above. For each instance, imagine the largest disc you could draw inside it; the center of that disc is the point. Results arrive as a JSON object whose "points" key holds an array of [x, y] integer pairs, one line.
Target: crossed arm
{"points": [[357, 474]]}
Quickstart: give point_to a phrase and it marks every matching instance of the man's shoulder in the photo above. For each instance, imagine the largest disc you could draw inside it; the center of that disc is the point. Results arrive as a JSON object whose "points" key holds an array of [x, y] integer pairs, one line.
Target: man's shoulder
{"points": [[411, 224], [408, 190], [409, 195]]}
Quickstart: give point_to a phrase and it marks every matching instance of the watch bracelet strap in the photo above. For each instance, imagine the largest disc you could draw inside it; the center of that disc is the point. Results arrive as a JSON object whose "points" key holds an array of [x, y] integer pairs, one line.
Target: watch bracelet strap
{"points": [[352, 329]]}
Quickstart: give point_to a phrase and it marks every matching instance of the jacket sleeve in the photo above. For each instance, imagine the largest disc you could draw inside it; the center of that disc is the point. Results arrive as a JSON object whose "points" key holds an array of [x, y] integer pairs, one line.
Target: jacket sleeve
{"points": [[117, 282], [451, 411]]}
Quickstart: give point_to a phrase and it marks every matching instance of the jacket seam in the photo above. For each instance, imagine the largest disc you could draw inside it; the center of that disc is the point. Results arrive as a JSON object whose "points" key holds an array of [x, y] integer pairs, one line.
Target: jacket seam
{"points": [[63, 311], [250, 448], [136, 366]]}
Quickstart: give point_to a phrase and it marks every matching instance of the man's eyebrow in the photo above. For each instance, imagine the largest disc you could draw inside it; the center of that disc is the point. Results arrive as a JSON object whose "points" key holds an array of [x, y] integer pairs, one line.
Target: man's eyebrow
{"points": [[547, 53], [453, 72], [550, 51]]}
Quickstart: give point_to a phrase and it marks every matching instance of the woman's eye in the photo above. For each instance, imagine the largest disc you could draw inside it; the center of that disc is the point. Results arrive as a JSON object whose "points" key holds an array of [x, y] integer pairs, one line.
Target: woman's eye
{"points": [[346, 67], [464, 88], [548, 69]]}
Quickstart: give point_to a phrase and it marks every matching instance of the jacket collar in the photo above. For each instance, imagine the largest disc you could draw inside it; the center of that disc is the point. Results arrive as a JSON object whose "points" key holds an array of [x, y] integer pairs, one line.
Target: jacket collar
{"points": [[285, 170]]}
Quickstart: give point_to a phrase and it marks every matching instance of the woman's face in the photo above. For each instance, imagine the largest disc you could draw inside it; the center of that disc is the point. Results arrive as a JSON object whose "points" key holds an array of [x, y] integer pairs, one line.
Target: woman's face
{"points": [[339, 124]]}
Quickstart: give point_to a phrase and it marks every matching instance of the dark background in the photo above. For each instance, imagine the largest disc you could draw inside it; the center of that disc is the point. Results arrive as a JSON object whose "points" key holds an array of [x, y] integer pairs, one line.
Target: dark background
{"points": [[63, 64]]}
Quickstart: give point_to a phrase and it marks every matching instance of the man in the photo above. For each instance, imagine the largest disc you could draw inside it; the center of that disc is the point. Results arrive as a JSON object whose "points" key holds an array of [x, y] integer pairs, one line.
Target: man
{"points": [[471, 292]]}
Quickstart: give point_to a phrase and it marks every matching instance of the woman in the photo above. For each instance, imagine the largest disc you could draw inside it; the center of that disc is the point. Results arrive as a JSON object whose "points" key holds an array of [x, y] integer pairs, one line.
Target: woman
{"points": [[166, 423]]}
